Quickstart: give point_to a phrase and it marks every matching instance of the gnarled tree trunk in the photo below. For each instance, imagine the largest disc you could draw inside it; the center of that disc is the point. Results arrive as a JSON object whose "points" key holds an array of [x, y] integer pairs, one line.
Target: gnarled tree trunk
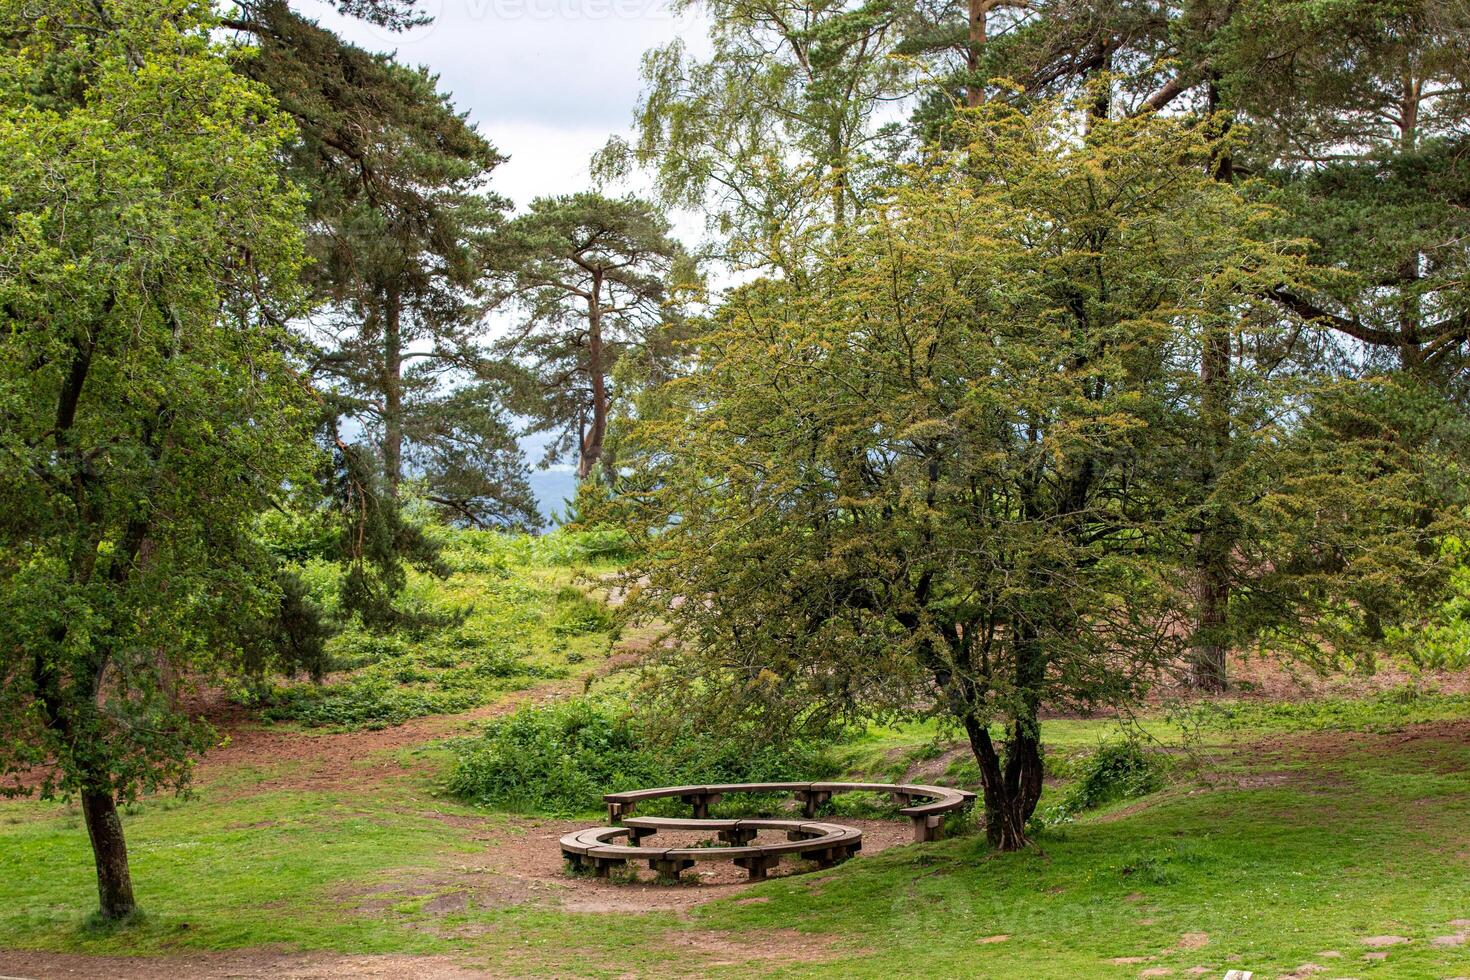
{"points": [[1011, 781], [1010, 785], [110, 852]]}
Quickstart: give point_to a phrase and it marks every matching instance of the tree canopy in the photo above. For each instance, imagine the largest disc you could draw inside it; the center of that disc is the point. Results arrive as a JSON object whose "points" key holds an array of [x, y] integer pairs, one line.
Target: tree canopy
{"points": [[952, 470], [594, 280], [151, 400]]}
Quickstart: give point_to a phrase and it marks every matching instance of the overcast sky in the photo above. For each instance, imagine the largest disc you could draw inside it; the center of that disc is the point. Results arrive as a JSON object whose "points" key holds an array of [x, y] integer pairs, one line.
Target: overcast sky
{"points": [[547, 81]]}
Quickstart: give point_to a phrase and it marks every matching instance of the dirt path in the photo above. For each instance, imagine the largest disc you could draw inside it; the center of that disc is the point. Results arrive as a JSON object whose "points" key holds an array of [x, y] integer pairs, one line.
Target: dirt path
{"points": [[289, 758], [237, 965]]}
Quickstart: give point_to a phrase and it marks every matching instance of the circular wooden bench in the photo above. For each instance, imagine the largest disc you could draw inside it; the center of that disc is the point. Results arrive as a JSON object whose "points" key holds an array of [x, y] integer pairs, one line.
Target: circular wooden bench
{"points": [[825, 843], [927, 816]]}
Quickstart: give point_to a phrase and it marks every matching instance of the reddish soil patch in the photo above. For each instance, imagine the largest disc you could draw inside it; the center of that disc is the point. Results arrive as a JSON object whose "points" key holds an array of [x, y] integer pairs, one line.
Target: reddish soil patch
{"points": [[526, 856], [238, 965], [293, 759]]}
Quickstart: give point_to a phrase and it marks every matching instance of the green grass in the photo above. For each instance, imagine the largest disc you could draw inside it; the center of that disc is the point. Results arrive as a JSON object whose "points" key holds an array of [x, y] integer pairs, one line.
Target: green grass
{"points": [[513, 611], [276, 868], [1283, 830], [1276, 857]]}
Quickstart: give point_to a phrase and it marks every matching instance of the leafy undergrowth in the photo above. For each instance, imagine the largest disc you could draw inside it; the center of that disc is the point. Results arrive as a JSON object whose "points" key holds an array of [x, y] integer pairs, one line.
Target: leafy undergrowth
{"points": [[513, 611], [1117, 771], [560, 759]]}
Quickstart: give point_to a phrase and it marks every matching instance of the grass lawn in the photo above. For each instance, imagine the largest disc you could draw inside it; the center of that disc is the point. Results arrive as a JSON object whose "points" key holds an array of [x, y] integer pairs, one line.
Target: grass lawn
{"points": [[1287, 833], [1289, 847]]}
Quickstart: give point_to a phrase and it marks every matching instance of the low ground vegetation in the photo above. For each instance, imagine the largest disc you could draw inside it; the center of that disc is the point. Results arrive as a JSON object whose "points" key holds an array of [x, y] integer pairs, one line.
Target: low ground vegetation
{"points": [[509, 611], [560, 759]]}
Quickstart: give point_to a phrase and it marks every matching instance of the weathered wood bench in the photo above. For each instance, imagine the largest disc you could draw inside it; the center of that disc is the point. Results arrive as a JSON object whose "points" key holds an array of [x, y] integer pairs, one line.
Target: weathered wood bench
{"points": [[700, 798], [825, 843], [927, 816]]}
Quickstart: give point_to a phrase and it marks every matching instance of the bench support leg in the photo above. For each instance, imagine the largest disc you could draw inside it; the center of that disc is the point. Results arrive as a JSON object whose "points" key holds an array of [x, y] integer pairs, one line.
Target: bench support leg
{"points": [[701, 802], [668, 868], [759, 865], [926, 829], [603, 866], [811, 799]]}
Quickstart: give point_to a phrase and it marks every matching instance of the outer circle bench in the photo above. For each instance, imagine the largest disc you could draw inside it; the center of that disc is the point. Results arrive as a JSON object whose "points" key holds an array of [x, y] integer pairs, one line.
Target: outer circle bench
{"points": [[926, 816]]}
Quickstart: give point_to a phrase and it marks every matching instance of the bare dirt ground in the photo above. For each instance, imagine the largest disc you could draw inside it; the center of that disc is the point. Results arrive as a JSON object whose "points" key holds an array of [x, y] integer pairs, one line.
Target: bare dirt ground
{"points": [[528, 855], [1272, 679], [237, 965], [293, 759]]}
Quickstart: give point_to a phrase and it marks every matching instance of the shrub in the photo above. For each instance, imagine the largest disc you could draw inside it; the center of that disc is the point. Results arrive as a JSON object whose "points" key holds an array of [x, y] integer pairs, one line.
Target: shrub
{"points": [[561, 758], [373, 702], [576, 614], [593, 546], [1116, 771]]}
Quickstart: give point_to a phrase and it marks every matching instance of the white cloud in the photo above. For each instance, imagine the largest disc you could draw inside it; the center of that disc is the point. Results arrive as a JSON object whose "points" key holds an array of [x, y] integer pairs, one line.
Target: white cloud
{"points": [[546, 81]]}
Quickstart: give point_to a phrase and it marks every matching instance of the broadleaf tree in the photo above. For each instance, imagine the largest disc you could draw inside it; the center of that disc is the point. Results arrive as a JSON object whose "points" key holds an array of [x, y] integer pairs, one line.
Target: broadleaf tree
{"points": [[149, 405], [950, 472], [776, 127]]}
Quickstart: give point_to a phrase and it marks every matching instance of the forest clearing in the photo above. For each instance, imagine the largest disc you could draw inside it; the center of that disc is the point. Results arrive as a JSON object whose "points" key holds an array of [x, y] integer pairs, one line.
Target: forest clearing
{"points": [[622, 488]]}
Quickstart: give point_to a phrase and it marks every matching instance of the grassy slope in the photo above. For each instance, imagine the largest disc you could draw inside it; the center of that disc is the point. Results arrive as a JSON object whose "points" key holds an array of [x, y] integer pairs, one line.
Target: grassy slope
{"points": [[1284, 847]]}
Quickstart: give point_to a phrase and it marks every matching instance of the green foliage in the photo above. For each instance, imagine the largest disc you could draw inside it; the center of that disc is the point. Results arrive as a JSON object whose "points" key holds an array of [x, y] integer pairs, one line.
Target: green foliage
{"points": [[599, 282], [401, 222], [594, 545], [292, 640], [502, 617], [150, 400], [1443, 640], [575, 614], [1116, 771], [951, 465], [775, 126], [561, 759]]}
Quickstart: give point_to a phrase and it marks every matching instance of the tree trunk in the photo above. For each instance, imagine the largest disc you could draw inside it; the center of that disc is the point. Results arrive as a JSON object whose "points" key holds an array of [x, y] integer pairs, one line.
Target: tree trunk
{"points": [[975, 87], [596, 369], [1010, 786], [1212, 554], [1207, 666], [1411, 354], [110, 852], [392, 392]]}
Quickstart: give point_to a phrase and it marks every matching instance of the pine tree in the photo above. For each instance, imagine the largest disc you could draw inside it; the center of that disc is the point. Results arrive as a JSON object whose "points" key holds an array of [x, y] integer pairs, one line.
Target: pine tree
{"points": [[595, 279]]}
